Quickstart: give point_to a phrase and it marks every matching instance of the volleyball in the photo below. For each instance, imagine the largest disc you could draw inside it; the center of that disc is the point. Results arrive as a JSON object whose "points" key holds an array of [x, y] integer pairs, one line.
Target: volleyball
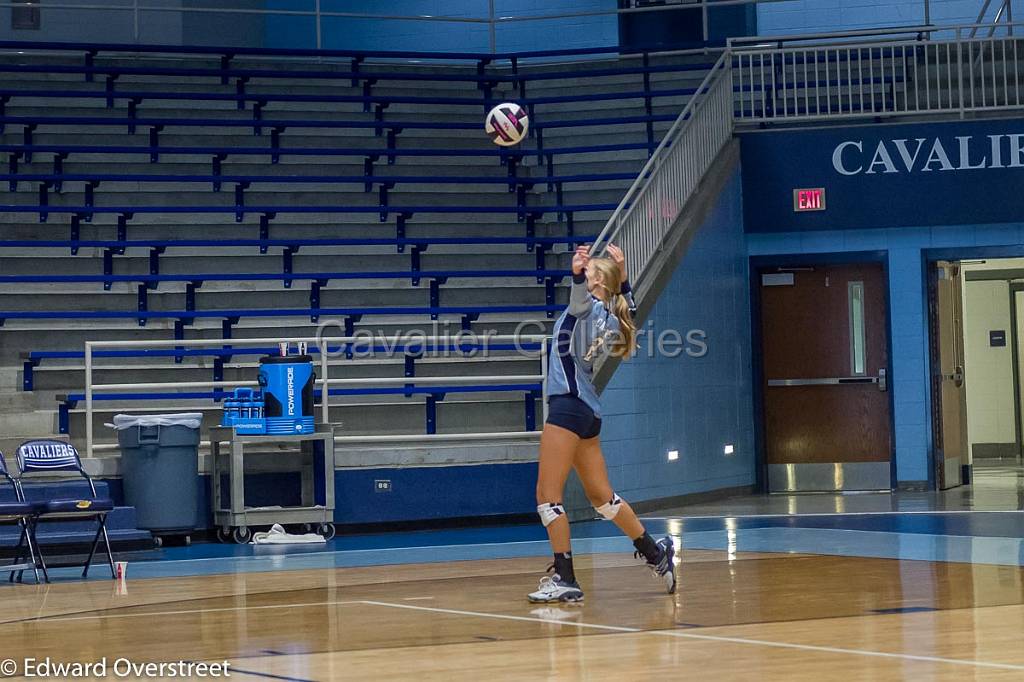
{"points": [[507, 124]]}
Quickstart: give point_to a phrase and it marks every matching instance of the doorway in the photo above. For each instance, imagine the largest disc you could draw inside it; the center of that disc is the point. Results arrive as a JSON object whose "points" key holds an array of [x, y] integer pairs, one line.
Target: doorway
{"points": [[993, 348], [824, 381]]}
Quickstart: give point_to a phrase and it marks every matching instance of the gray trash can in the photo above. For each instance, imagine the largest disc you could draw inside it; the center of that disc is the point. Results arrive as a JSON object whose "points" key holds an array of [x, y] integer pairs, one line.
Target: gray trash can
{"points": [[160, 469]]}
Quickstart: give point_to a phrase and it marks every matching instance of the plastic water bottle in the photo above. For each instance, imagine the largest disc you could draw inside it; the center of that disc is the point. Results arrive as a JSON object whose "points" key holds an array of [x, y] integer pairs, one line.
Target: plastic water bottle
{"points": [[230, 412]]}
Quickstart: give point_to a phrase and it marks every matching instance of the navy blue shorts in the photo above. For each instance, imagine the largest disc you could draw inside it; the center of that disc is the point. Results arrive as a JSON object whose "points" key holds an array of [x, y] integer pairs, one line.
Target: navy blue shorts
{"points": [[571, 413]]}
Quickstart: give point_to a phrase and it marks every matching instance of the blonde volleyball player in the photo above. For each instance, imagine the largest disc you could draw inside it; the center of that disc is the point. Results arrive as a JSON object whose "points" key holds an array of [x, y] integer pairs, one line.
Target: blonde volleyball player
{"points": [[598, 321]]}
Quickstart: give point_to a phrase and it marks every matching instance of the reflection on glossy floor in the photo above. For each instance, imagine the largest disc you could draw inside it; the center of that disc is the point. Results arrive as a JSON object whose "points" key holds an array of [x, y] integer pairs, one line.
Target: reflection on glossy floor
{"points": [[998, 485], [736, 616]]}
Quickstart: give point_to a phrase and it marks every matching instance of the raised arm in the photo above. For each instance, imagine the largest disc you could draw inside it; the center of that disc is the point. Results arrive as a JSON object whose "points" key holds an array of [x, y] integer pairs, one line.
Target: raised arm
{"points": [[625, 290], [579, 296]]}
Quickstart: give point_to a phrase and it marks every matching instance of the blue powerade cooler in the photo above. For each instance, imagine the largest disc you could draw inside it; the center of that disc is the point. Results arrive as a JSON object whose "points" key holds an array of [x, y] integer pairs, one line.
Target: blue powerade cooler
{"points": [[287, 384]]}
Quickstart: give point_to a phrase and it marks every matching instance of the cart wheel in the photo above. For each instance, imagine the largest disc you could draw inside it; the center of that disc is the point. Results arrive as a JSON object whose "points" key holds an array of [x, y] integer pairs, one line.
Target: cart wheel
{"points": [[223, 534], [241, 535], [327, 530], [158, 541]]}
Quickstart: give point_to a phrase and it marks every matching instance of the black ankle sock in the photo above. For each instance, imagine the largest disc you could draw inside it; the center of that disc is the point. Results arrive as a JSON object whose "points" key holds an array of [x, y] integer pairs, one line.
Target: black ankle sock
{"points": [[563, 567], [646, 545]]}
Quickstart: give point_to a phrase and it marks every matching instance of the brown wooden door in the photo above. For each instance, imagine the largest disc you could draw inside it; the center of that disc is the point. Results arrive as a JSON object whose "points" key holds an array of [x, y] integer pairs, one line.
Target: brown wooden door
{"points": [[825, 359], [949, 390]]}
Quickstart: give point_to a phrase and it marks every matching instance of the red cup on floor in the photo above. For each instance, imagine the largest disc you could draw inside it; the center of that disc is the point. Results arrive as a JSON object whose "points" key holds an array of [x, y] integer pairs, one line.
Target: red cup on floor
{"points": [[120, 570]]}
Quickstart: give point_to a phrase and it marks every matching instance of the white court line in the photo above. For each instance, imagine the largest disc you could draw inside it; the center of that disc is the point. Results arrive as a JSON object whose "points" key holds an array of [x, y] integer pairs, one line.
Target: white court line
{"points": [[148, 614], [713, 638]]}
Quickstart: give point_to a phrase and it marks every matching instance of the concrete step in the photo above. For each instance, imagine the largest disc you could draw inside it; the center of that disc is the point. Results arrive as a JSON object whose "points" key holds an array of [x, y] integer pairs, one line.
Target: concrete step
{"points": [[70, 335], [368, 259], [171, 295], [349, 195], [79, 164], [284, 299], [287, 227], [28, 424], [14, 400], [250, 222]]}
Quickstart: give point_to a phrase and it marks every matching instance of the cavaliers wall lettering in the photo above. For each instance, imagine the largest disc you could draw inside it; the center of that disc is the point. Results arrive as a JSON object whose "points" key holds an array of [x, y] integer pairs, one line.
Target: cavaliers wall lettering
{"points": [[848, 157]]}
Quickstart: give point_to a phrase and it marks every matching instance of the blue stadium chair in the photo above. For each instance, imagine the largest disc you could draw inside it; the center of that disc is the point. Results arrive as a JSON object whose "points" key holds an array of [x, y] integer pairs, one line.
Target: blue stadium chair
{"points": [[23, 514], [47, 456]]}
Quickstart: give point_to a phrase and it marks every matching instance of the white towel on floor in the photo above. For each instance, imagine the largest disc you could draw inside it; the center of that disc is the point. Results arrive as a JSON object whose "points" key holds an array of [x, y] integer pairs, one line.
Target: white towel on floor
{"points": [[277, 536]]}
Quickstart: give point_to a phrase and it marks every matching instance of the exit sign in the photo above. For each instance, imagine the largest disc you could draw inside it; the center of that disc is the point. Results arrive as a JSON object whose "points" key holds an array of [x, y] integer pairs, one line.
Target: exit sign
{"points": [[809, 199]]}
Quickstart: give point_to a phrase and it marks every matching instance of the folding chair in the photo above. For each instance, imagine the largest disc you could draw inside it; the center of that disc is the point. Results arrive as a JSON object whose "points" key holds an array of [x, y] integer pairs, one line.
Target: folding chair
{"points": [[40, 457], [23, 514]]}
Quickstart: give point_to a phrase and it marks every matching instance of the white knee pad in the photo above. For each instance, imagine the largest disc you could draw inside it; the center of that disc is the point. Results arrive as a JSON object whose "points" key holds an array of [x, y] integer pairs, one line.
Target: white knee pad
{"points": [[610, 508], [549, 512]]}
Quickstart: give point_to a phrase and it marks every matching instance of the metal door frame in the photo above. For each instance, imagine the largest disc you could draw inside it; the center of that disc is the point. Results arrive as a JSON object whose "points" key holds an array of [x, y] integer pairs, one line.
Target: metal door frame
{"points": [[760, 264], [935, 377]]}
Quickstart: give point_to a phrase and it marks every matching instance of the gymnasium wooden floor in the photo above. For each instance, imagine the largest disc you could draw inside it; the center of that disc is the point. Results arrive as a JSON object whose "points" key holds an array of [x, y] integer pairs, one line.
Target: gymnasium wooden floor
{"points": [[737, 615]]}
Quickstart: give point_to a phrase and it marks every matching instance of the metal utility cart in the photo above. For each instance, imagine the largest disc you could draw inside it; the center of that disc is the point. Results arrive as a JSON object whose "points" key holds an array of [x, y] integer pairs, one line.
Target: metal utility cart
{"points": [[235, 523]]}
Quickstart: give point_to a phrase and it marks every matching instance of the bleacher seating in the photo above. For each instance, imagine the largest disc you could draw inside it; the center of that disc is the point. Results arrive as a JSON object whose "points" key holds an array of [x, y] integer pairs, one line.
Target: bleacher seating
{"points": [[234, 196]]}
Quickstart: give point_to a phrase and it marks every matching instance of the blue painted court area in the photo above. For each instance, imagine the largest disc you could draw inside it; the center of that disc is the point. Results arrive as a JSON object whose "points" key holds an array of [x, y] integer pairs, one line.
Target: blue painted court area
{"points": [[962, 537]]}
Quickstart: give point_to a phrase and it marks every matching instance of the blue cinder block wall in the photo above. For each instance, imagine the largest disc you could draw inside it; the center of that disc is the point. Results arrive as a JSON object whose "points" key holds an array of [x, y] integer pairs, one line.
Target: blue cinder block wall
{"points": [[695, 405]]}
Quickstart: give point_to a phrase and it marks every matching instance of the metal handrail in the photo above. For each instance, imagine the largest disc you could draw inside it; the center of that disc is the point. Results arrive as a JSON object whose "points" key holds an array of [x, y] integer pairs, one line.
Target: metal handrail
{"points": [[360, 381], [885, 34], [956, 74], [324, 380], [392, 438], [780, 40]]}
